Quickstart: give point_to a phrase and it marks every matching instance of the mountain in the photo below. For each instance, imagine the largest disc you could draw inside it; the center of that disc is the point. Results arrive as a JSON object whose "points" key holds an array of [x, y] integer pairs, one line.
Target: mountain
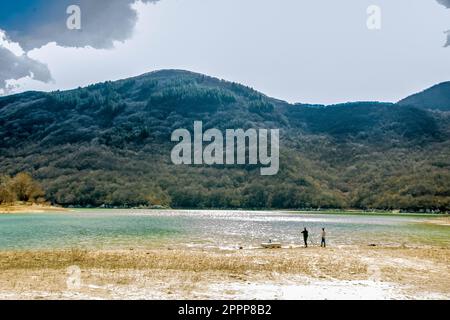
{"points": [[435, 98], [109, 144]]}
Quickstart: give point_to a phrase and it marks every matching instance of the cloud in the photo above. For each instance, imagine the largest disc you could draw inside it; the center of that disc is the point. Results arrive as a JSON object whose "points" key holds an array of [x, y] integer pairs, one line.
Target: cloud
{"points": [[43, 22], [13, 67], [102, 23], [446, 3], [447, 44]]}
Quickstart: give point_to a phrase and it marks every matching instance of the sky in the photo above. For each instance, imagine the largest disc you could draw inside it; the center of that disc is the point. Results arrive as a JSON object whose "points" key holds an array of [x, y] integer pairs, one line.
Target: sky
{"points": [[306, 51]]}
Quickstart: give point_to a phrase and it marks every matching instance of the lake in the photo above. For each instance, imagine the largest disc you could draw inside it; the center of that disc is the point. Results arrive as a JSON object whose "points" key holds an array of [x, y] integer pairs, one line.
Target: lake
{"points": [[115, 229]]}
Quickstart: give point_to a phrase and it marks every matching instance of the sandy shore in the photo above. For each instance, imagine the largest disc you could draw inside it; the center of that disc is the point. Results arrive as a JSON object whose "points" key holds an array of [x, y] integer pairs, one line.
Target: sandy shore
{"points": [[297, 273], [29, 208]]}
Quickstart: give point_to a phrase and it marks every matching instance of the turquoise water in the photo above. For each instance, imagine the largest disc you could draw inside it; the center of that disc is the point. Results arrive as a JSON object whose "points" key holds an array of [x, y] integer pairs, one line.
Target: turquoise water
{"points": [[109, 229]]}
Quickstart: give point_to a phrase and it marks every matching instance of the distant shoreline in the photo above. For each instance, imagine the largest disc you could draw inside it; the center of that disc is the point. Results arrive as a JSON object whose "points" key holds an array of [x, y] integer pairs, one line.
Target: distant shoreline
{"points": [[299, 211], [43, 208], [30, 208]]}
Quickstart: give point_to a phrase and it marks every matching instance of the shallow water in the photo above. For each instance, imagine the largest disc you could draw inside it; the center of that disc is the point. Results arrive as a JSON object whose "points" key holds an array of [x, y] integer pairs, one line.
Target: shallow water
{"points": [[110, 229]]}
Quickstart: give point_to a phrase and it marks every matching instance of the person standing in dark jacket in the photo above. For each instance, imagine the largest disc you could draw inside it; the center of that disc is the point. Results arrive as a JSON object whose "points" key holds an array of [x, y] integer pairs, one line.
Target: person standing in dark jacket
{"points": [[305, 237], [323, 242]]}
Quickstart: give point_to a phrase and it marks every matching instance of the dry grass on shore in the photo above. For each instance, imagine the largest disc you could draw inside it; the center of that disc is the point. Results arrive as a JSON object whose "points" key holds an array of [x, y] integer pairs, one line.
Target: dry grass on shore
{"points": [[180, 273], [346, 260], [283, 261]]}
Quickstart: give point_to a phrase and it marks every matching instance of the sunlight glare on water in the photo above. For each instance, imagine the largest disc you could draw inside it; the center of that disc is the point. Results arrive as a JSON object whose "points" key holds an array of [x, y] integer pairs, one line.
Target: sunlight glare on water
{"points": [[109, 229]]}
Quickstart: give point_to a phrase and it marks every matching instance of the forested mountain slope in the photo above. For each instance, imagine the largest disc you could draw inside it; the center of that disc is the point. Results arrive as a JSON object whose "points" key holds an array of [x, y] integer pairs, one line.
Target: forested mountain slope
{"points": [[109, 144]]}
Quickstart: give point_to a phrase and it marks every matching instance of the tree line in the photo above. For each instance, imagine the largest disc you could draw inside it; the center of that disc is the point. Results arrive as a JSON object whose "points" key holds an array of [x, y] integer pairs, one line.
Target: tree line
{"points": [[20, 188]]}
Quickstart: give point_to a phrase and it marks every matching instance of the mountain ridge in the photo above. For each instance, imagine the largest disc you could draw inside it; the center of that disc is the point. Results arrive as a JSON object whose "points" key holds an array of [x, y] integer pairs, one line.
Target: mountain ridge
{"points": [[108, 144], [436, 97], [181, 72]]}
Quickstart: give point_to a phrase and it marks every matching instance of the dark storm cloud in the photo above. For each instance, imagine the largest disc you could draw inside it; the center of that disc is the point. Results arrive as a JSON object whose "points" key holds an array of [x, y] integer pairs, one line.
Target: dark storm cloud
{"points": [[102, 23], [42, 22], [16, 67]]}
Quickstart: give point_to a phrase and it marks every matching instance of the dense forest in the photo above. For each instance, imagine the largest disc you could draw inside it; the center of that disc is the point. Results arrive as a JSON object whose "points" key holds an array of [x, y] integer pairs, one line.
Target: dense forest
{"points": [[109, 145]]}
